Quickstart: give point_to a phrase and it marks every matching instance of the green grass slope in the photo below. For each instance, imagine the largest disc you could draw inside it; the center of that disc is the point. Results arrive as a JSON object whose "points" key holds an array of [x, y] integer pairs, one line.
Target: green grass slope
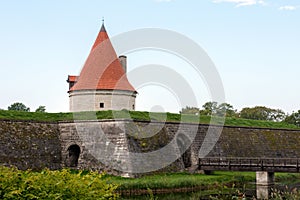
{"points": [[138, 115]]}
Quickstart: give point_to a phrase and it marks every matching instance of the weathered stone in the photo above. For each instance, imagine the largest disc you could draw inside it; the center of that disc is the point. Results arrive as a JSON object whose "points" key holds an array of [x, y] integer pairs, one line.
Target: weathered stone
{"points": [[37, 145], [30, 144]]}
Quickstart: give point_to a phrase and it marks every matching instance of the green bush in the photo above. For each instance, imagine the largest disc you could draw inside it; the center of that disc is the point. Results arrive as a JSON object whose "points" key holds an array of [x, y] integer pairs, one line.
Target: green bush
{"points": [[16, 184]]}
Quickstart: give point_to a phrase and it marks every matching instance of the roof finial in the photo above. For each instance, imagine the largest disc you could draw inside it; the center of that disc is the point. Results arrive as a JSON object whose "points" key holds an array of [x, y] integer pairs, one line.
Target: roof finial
{"points": [[102, 27]]}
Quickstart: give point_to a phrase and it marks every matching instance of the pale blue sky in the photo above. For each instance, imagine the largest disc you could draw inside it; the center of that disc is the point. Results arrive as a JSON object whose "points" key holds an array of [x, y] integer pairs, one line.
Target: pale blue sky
{"points": [[255, 46]]}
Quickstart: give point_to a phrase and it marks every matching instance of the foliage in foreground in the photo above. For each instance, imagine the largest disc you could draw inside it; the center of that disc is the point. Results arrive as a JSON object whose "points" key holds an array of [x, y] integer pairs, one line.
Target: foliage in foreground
{"points": [[16, 184], [281, 195]]}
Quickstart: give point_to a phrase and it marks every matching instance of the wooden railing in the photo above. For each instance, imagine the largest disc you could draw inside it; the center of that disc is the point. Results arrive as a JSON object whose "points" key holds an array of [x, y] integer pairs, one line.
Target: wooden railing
{"points": [[250, 164]]}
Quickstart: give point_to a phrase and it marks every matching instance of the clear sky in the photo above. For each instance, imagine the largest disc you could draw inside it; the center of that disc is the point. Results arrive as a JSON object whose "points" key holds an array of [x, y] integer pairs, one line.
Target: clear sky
{"points": [[255, 45]]}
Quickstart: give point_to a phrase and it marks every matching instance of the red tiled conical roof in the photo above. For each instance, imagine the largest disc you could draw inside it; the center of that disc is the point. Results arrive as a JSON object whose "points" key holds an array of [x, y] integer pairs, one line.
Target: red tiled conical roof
{"points": [[102, 69]]}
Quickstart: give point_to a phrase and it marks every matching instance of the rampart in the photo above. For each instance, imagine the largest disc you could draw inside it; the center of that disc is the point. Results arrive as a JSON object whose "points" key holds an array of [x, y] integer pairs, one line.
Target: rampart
{"points": [[36, 145]]}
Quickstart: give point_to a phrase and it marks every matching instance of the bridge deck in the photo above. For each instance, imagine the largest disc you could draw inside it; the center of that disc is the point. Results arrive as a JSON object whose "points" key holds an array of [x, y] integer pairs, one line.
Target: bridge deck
{"points": [[251, 164]]}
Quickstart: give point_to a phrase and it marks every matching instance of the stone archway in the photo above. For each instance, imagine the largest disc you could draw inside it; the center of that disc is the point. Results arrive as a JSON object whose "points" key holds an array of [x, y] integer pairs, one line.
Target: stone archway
{"points": [[73, 155]]}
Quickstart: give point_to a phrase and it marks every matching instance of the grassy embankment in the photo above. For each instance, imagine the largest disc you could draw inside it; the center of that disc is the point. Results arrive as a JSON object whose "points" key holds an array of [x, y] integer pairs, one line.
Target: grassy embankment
{"points": [[220, 185], [217, 181], [136, 115], [173, 181]]}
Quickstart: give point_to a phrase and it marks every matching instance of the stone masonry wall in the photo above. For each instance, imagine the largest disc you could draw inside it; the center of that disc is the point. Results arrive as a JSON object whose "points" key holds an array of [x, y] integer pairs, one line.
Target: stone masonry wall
{"points": [[37, 145], [142, 137], [119, 138], [84, 134], [33, 145], [258, 142]]}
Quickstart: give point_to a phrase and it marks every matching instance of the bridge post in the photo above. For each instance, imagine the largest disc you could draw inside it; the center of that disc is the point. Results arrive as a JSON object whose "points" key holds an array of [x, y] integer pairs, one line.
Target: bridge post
{"points": [[264, 182]]}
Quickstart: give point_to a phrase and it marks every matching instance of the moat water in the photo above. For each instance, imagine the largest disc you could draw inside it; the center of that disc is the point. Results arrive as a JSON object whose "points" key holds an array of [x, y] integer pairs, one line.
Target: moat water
{"points": [[248, 191]]}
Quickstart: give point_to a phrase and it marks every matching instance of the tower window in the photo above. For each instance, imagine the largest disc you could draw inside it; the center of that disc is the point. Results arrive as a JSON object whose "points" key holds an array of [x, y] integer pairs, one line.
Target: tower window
{"points": [[101, 105]]}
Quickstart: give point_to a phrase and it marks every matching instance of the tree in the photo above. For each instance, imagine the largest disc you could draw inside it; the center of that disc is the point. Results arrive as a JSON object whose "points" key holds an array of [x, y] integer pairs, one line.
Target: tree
{"points": [[18, 107], [277, 115], [223, 109], [190, 110], [209, 108], [294, 118], [262, 113], [41, 109]]}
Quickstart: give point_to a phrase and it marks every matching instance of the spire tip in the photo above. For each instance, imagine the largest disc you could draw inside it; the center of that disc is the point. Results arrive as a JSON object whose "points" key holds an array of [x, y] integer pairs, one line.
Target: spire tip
{"points": [[102, 27]]}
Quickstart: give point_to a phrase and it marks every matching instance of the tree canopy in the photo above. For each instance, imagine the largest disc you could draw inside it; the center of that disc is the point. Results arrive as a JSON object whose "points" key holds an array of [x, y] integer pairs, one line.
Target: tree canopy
{"points": [[294, 118], [190, 110], [41, 109], [256, 113], [211, 108], [18, 107], [262, 113]]}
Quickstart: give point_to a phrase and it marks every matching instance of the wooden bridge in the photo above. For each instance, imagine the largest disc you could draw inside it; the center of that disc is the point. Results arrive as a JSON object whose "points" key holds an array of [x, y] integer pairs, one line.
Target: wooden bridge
{"points": [[265, 169], [291, 165]]}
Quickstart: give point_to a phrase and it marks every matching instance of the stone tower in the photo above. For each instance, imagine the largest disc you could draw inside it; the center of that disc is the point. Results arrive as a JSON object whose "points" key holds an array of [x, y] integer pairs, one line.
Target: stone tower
{"points": [[102, 83]]}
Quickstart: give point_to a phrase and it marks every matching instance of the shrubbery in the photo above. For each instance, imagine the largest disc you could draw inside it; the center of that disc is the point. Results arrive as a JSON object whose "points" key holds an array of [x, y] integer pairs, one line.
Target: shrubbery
{"points": [[16, 184]]}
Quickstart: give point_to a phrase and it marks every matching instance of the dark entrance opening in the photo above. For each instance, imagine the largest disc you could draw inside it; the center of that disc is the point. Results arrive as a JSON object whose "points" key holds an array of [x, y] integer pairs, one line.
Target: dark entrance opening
{"points": [[74, 152]]}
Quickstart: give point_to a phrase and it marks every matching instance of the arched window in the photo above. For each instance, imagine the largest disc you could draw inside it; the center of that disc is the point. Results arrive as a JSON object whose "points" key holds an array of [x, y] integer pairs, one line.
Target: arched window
{"points": [[73, 156]]}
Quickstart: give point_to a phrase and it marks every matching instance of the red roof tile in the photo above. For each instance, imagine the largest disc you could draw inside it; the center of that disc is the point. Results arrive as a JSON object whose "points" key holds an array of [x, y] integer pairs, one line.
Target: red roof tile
{"points": [[102, 36], [102, 69]]}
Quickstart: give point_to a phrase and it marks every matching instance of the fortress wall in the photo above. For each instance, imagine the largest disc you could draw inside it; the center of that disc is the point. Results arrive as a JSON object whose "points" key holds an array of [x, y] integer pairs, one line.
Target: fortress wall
{"points": [[258, 142], [26, 144], [106, 145], [87, 136], [37, 145], [143, 137]]}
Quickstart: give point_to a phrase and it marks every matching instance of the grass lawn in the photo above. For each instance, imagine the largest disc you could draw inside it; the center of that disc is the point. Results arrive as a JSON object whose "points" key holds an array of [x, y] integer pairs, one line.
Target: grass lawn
{"points": [[181, 180], [138, 115], [219, 180]]}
